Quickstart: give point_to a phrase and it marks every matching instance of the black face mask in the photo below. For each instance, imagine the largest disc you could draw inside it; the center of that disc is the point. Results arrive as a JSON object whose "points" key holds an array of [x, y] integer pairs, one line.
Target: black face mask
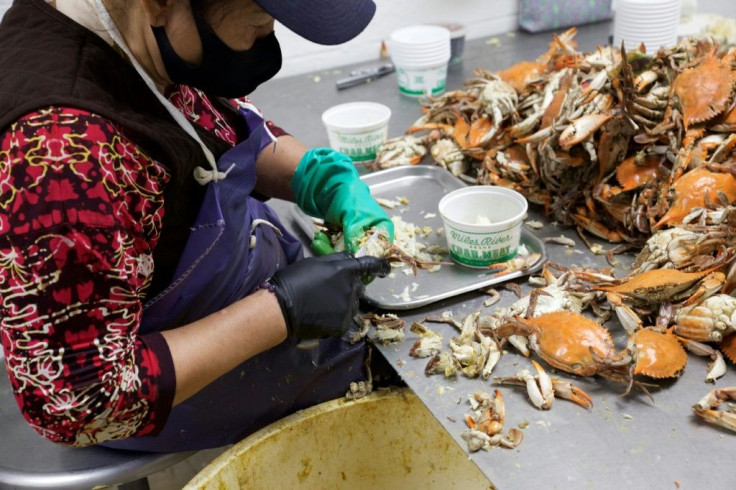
{"points": [[223, 71]]}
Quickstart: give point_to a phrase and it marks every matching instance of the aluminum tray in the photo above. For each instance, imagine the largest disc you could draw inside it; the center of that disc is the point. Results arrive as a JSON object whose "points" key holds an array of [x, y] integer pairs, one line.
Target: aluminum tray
{"points": [[424, 186]]}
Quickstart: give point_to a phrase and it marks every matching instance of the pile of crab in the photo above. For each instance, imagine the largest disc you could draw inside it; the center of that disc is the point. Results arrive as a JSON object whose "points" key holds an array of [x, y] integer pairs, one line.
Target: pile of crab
{"points": [[618, 143], [631, 147]]}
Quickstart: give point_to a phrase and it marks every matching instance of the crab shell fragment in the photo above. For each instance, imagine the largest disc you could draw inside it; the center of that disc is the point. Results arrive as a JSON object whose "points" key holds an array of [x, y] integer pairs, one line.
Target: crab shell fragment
{"points": [[728, 347]]}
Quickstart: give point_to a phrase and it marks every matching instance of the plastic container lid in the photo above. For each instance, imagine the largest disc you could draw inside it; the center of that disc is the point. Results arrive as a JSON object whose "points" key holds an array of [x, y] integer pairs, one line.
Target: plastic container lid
{"points": [[356, 117]]}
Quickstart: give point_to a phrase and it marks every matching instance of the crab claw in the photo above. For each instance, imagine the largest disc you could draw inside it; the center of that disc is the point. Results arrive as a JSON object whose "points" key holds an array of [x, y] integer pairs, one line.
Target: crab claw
{"points": [[568, 391], [707, 407], [518, 263]]}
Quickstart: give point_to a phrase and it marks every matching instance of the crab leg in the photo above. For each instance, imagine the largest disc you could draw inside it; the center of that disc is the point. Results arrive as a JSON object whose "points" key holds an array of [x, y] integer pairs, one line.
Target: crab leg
{"points": [[716, 368], [707, 407], [542, 389]]}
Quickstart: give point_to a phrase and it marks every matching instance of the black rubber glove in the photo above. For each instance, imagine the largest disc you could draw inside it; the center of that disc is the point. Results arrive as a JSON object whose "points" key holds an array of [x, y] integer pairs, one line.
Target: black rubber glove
{"points": [[319, 295]]}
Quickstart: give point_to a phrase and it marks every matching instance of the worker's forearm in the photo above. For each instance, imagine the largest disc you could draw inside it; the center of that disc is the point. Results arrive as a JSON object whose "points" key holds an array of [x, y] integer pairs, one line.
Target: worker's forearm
{"points": [[206, 349], [275, 168]]}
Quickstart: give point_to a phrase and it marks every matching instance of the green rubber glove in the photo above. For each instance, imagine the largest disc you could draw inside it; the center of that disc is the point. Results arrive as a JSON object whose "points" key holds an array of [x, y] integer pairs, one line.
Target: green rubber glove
{"points": [[327, 186], [321, 245]]}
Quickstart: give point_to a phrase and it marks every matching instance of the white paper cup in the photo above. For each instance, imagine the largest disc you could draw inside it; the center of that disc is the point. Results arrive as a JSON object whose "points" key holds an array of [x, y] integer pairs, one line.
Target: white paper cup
{"points": [[421, 81], [653, 23], [482, 224], [421, 54], [357, 129]]}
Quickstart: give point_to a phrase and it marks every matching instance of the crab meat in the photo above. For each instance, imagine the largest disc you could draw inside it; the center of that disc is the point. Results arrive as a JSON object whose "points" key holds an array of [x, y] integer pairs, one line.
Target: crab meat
{"points": [[429, 342], [489, 412], [449, 155]]}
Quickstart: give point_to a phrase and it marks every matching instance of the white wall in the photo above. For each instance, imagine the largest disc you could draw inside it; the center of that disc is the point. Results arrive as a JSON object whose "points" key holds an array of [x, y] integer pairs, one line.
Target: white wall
{"points": [[481, 18]]}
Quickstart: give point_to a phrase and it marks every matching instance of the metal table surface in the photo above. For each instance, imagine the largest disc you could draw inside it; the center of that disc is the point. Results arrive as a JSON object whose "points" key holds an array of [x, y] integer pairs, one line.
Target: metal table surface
{"points": [[628, 442]]}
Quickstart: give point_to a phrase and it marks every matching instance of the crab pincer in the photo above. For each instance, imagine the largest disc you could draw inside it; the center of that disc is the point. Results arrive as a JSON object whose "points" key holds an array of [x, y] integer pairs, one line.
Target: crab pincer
{"points": [[542, 389], [707, 408]]}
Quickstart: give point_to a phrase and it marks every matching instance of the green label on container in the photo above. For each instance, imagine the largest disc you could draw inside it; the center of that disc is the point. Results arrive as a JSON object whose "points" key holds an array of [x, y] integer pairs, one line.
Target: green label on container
{"points": [[481, 249], [481, 259]]}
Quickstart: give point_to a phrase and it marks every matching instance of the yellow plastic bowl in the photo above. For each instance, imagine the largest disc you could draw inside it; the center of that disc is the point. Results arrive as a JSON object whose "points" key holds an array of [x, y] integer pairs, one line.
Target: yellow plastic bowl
{"points": [[385, 440]]}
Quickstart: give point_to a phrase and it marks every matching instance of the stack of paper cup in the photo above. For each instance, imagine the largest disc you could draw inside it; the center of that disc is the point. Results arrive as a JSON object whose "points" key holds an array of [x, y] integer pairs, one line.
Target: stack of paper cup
{"points": [[421, 54], [652, 22]]}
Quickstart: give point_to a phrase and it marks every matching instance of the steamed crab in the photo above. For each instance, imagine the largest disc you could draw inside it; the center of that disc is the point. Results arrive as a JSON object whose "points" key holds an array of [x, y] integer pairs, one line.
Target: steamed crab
{"points": [[496, 98], [655, 286], [651, 353], [570, 342], [704, 91]]}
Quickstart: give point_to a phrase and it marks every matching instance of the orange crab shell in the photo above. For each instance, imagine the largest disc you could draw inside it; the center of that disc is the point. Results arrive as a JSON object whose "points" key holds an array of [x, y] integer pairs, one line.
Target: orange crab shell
{"points": [[705, 90], [520, 74], [631, 174], [691, 191], [646, 284], [566, 339], [657, 355], [728, 347]]}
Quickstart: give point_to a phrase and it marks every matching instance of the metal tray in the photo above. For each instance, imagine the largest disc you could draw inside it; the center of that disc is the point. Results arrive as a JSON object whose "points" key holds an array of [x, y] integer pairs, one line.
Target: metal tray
{"points": [[424, 186]]}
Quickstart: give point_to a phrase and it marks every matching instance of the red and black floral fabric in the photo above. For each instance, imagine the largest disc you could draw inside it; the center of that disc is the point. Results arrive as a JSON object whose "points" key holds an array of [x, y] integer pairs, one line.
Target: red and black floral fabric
{"points": [[81, 210]]}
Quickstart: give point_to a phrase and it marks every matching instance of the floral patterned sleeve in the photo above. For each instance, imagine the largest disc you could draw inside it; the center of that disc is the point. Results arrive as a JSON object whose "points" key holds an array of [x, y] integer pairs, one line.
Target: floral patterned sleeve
{"points": [[80, 213]]}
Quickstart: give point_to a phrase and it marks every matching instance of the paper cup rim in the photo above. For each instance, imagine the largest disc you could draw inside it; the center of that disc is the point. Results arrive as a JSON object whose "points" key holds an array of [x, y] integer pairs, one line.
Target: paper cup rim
{"points": [[403, 34], [356, 128], [483, 189]]}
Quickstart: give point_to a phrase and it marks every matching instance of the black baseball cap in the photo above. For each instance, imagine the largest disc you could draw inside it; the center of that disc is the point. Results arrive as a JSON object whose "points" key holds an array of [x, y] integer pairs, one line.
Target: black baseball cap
{"points": [[322, 21]]}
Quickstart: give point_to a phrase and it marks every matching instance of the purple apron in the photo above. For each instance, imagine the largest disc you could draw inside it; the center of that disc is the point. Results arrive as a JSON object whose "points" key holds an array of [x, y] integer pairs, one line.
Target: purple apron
{"points": [[218, 267]]}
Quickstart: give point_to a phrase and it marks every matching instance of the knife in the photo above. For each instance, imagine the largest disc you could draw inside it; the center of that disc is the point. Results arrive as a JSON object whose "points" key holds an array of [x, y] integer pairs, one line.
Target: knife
{"points": [[365, 75]]}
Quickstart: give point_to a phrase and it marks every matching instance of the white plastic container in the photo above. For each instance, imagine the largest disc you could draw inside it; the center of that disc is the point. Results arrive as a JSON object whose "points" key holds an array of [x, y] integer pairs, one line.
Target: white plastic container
{"points": [[482, 224], [357, 129], [421, 55]]}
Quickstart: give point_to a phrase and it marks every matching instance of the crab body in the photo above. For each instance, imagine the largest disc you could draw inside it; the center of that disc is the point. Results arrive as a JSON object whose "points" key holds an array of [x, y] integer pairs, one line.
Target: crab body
{"points": [[709, 321], [656, 354], [655, 286], [565, 340], [704, 91], [693, 189]]}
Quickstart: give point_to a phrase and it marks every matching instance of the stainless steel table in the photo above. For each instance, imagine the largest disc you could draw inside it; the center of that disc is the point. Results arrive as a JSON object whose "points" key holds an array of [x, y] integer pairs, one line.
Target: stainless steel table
{"points": [[626, 442]]}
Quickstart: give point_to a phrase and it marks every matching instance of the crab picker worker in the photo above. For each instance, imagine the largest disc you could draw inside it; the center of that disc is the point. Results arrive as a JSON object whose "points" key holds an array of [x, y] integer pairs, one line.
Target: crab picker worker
{"points": [[150, 299]]}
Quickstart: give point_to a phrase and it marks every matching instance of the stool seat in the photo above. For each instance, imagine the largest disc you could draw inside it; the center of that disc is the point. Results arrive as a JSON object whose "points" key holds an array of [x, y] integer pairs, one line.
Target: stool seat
{"points": [[27, 460]]}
